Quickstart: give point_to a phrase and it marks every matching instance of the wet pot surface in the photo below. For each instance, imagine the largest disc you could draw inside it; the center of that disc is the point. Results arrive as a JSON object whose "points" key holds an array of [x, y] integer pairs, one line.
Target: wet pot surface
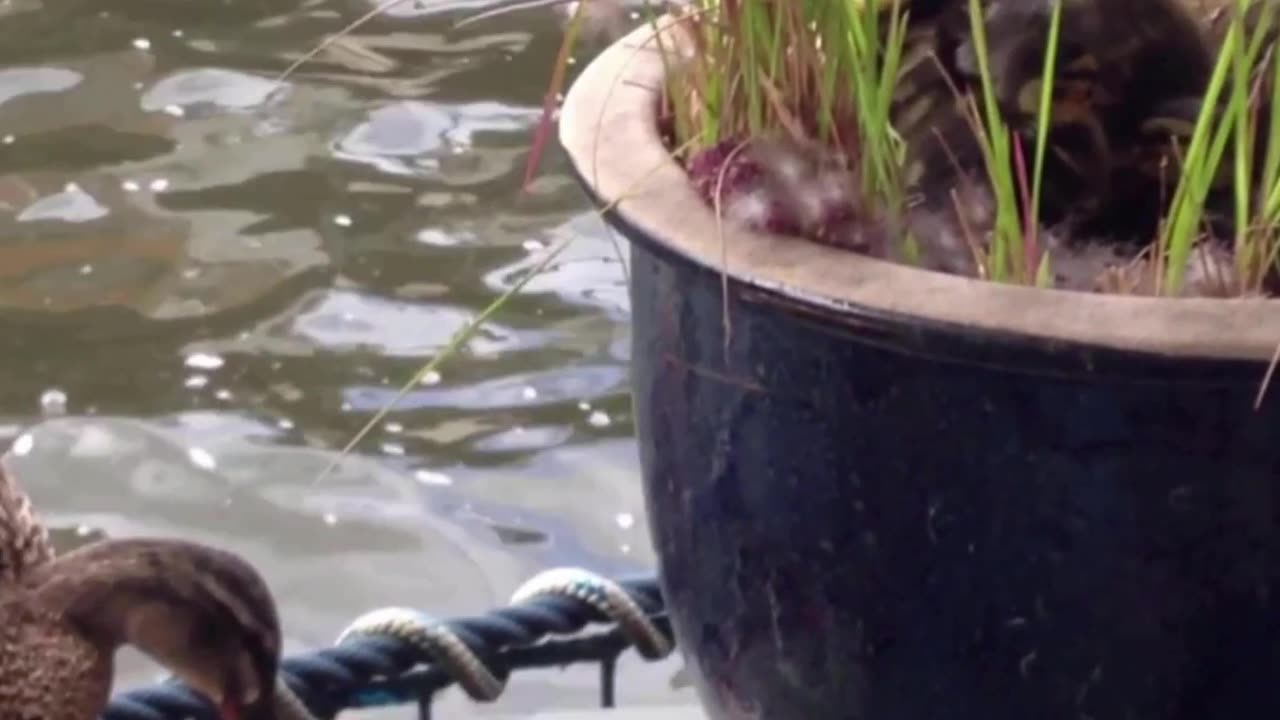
{"points": [[861, 517]]}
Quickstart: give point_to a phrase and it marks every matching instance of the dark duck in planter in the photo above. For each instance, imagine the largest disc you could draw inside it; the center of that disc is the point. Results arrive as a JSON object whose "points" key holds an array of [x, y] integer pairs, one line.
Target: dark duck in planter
{"points": [[1127, 72], [203, 613], [1121, 66]]}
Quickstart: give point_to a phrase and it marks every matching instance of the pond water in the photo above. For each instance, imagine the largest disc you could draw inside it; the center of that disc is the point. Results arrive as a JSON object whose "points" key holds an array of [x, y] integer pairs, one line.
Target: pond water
{"points": [[207, 288]]}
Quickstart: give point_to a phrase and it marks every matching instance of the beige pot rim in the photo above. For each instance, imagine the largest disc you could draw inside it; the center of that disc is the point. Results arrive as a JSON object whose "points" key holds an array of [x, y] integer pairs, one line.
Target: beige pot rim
{"points": [[608, 127]]}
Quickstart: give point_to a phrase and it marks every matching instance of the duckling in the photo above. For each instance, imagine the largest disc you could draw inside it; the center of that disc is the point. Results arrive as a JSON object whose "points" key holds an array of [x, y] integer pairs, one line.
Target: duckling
{"points": [[938, 104], [204, 613], [1121, 57], [1118, 60], [932, 109], [1169, 128]]}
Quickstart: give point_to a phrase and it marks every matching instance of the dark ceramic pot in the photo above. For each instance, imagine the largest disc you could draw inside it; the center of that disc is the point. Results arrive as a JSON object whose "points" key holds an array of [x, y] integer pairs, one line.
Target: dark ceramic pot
{"points": [[887, 494]]}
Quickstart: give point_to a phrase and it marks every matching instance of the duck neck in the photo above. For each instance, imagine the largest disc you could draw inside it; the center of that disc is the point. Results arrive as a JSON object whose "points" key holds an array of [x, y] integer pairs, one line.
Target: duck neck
{"points": [[103, 587], [202, 613]]}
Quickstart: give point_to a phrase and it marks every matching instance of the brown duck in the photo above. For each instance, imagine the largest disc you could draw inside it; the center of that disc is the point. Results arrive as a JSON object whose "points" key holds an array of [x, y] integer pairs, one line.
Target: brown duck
{"points": [[203, 613]]}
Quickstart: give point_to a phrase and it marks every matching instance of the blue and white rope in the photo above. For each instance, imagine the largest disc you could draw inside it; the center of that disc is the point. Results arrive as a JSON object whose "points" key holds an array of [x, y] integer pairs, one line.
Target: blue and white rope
{"points": [[437, 640], [607, 597]]}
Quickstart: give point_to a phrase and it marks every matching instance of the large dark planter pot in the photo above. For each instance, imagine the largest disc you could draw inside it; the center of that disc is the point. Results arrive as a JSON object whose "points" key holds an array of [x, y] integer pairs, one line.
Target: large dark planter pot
{"points": [[888, 494]]}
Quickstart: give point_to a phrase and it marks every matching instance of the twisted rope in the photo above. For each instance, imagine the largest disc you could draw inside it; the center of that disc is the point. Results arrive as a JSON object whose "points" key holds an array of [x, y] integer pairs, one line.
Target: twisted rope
{"points": [[396, 656]]}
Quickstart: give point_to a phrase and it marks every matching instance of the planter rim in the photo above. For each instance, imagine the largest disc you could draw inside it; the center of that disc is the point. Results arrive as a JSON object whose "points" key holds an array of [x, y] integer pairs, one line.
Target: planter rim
{"points": [[608, 128]]}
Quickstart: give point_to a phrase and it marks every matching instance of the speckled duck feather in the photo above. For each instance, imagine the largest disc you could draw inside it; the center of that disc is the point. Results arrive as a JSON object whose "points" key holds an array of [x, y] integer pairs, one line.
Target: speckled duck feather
{"points": [[24, 542], [47, 671]]}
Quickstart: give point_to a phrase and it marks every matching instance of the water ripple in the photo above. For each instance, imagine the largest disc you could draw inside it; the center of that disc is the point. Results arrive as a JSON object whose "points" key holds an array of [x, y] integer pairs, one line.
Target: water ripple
{"points": [[343, 320], [553, 387], [222, 89], [20, 82]]}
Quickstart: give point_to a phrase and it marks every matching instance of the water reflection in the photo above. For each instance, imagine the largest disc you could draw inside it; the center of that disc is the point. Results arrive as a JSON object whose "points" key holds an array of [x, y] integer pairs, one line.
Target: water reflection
{"points": [[418, 138], [210, 90], [16, 82], [346, 319], [208, 283]]}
